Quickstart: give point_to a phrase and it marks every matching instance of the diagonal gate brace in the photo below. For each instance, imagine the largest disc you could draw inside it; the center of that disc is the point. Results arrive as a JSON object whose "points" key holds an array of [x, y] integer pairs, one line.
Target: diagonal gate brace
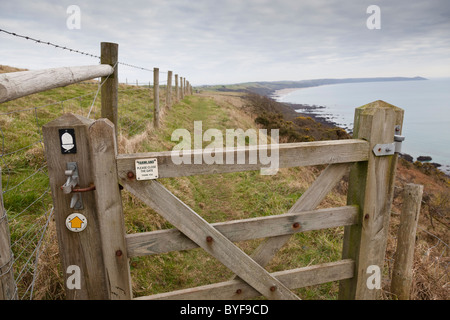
{"points": [[155, 195], [308, 201]]}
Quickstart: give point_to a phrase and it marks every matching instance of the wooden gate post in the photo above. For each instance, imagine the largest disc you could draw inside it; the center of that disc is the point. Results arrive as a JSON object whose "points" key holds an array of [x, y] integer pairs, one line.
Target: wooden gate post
{"points": [[109, 207], [371, 186], [89, 270]]}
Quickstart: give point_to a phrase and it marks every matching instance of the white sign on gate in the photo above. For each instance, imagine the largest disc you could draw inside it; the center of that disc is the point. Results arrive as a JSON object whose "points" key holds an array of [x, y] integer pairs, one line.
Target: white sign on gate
{"points": [[146, 169]]}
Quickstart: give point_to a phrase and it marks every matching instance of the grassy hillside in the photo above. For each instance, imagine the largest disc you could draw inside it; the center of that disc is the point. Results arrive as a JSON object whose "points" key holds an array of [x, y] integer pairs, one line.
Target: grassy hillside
{"points": [[215, 197]]}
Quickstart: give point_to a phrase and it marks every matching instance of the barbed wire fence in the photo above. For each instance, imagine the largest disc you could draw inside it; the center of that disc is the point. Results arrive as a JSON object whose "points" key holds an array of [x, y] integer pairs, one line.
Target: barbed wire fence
{"points": [[26, 194]]}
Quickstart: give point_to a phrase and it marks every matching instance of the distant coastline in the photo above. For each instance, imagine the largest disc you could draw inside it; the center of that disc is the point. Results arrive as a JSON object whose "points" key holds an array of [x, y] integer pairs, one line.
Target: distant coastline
{"points": [[321, 82], [271, 88]]}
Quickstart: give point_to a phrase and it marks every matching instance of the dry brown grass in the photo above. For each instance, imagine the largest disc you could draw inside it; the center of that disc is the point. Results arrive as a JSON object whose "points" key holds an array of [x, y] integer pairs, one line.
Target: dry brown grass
{"points": [[431, 258], [49, 280], [7, 69]]}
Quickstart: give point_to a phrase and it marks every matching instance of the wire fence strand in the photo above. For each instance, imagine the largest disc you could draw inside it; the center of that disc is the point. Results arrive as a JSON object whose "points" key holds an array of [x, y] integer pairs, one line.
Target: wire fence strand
{"points": [[69, 49]]}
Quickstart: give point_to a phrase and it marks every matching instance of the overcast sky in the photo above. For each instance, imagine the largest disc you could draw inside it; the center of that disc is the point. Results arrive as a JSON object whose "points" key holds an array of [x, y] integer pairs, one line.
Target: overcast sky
{"points": [[232, 41]]}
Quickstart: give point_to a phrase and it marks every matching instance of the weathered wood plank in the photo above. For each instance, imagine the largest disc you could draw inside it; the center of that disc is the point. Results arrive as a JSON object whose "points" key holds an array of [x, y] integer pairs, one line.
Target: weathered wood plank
{"points": [[402, 273], [19, 84], [169, 90], [82, 249], [290, 155], [162, 241], [156, 109], [109, 207], [206, 236], [177, 90], [236, 290]]}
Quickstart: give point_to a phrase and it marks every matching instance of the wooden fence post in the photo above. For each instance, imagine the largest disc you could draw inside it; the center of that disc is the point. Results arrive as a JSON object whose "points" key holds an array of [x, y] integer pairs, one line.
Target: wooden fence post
{"points": [[181, 89], [110, 55], [406, 239], [177, 91], [88, 271], [169, 90], [7, 284], [156, 113], [371, 186]]}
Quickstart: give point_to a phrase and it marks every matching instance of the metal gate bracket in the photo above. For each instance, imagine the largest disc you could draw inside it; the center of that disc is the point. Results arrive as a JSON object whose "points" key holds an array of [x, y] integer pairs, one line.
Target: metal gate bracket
{"points": [[388, 149]]}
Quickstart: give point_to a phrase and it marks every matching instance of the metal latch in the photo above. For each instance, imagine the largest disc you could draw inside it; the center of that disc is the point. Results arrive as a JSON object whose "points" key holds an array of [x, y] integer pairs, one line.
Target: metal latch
{"points": [[72, 177], [71, 182], [388, 149]]}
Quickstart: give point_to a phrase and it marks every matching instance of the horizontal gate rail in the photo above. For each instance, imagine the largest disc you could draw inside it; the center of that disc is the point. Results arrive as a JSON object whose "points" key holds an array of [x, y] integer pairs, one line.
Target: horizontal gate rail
{"points": [[290, 155], [162, 241], [235, 289]]}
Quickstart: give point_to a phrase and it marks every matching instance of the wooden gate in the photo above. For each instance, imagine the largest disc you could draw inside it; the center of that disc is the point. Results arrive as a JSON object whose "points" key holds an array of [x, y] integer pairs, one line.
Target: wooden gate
{"points": [[100, 252]]}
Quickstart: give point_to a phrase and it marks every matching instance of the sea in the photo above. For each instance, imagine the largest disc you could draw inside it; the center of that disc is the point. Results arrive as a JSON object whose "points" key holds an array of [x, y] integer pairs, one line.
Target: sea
{"points": [[426, 124]]}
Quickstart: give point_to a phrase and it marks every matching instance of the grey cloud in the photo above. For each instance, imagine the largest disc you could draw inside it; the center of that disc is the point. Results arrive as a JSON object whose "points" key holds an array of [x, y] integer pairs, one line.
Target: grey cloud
{"points": [[234, 40]]}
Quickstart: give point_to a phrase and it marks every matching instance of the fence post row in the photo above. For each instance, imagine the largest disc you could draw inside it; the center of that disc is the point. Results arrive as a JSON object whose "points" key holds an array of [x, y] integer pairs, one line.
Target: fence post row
{"points": [[371, 186]]}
